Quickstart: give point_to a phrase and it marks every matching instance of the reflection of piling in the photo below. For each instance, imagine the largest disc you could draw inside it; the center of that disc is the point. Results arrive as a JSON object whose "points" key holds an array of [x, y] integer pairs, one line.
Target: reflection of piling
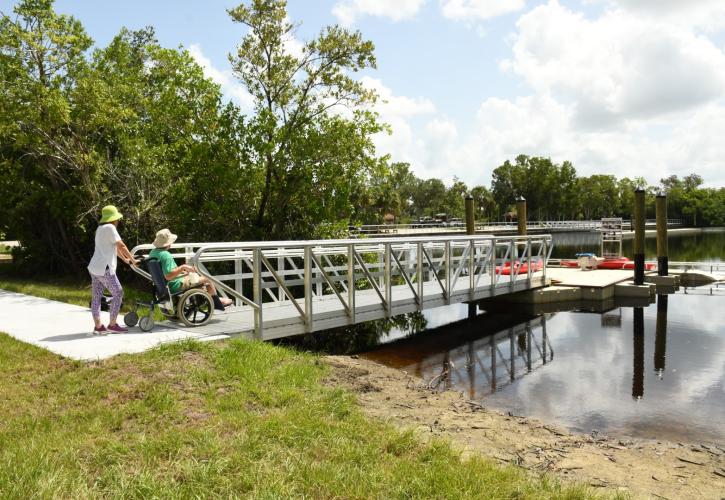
{"points": [[472, 310], [512, 349], [493, 363], [639, 219], [662, 259], [471, 371], [638, 368], [543, 337], [529, 333], [661, 334], [521, 215], [470, 220]]}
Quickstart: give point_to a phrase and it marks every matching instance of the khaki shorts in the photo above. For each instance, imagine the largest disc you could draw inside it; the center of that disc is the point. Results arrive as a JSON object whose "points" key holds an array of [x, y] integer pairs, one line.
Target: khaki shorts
{"points": [[190, 281]]}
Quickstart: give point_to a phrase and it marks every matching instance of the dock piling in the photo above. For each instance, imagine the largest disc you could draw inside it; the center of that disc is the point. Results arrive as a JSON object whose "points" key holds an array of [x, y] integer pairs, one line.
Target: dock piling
{"points": [[470, 219], [639, 222], [662, 258], [521, 215]]}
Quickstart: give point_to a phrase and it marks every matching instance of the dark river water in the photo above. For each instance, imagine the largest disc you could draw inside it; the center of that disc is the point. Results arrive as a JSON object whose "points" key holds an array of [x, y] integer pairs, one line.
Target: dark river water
{"points": [[656, 371]]}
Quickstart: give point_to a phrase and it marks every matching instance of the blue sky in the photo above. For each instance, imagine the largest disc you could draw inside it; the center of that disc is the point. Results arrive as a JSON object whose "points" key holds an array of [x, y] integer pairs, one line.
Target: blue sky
{"points": [[627, 87]]}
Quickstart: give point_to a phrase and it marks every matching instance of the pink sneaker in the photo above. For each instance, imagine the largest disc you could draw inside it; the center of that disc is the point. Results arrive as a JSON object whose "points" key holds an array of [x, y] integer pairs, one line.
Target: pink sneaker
{"points": [[117, 329], [99, 330]]}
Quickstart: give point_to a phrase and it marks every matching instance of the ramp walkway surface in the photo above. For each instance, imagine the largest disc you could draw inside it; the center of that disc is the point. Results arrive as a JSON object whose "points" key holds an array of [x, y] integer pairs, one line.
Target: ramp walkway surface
{"points": [[65, 329]]}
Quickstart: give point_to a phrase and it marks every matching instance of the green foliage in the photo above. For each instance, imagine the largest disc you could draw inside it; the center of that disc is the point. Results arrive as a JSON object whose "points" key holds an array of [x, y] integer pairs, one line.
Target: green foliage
{"points": [[550, 190], [138, 125], [310, 134]]}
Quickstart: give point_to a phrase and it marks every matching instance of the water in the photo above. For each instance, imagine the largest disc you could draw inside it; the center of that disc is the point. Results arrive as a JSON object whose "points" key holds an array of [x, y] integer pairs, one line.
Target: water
{"points": [[624, 371], [706, 246], [656, 371]]}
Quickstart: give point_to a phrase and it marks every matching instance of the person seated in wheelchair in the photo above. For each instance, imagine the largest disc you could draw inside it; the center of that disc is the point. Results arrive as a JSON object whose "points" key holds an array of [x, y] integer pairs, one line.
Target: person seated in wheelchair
{"points": [[183, 277]]}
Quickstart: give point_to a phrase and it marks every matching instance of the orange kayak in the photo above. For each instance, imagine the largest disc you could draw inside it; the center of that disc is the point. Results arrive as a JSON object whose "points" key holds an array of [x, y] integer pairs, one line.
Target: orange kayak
{"points": [[518, 267]]}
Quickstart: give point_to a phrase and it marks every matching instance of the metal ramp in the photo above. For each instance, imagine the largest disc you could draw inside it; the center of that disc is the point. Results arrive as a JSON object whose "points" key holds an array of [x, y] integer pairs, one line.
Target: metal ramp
{"points": [[288, 288]]}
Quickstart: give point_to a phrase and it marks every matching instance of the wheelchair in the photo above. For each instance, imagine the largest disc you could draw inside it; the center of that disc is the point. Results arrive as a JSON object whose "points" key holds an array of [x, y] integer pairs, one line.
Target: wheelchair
{"points": [[193, 306]]}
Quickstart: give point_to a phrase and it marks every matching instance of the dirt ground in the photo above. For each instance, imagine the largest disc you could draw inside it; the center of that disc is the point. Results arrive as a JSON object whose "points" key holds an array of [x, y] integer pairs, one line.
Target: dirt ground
{"points": [[643, 469]]}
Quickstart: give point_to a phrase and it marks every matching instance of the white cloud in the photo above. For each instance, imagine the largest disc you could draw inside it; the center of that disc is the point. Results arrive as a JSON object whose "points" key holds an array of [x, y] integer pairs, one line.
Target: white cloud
{"points": [[230, 86], [617, 67], [391, 105], [623, 93], [478, 10], [348, 12], [706, 14]]}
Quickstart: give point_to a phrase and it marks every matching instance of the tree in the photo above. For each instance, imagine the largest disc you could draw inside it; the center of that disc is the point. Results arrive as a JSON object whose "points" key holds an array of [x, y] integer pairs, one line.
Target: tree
{"points": [[598, 194], [310, 135], [41, 55], [429, 197], [455, 199], [136, 125], [549, 189], [484, 204]]}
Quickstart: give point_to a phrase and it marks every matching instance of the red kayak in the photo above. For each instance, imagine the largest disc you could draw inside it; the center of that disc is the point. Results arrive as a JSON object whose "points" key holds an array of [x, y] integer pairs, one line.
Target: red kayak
{"points": [[620, 263], [518, 267]]}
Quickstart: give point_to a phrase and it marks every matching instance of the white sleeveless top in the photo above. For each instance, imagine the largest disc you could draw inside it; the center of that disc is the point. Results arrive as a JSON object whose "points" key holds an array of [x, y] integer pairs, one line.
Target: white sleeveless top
{"points": [[104, 255]]}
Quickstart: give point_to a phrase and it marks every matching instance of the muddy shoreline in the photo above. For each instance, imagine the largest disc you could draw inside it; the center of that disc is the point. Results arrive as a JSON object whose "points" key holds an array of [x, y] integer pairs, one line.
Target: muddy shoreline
{"points": [[642, 468]]}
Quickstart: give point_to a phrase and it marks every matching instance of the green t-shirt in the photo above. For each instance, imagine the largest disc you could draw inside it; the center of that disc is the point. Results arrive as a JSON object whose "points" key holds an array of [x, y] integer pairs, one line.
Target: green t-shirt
{"points": [[168, 264]]}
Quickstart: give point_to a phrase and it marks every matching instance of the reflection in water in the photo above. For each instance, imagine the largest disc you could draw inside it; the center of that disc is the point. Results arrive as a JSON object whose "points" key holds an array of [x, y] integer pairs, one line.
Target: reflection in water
{"points": [[601, 372], [480, 365], [638, 369], [661, 335]]}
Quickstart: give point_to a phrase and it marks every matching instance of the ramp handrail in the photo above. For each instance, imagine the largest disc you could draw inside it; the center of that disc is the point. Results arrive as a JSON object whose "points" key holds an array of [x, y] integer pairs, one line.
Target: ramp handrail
{"points": [[312, 274]]}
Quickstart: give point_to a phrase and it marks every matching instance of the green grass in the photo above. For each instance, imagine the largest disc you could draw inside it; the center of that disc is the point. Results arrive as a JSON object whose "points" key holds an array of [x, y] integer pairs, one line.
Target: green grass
{"points": [[231, 419]]}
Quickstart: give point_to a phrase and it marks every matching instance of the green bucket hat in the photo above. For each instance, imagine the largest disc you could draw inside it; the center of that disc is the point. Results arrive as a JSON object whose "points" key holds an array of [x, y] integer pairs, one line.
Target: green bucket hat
{"points": [[109, 213]]}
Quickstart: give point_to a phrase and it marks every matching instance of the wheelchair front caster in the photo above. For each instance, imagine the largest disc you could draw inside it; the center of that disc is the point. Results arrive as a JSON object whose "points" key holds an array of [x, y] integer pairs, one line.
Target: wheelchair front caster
{"points": [[146, 324], [130, 318]]}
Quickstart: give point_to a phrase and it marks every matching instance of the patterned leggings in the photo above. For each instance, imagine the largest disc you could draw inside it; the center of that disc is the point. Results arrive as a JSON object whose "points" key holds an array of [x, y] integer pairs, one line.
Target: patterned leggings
{"points": [[109, 282]]}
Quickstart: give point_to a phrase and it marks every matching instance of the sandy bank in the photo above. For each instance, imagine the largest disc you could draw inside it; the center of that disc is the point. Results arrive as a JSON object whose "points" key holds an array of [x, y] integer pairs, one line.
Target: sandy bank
{"points": [[645, 469]]}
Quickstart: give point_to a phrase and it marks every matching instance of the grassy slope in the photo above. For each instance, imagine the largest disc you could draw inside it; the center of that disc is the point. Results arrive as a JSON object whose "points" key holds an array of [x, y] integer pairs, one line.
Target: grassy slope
{"points": [[238, 418]]}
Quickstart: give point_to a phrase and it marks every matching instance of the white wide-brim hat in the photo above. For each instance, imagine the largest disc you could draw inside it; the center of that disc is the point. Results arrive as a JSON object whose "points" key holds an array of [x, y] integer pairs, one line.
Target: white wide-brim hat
{"points": [[164, 238]]}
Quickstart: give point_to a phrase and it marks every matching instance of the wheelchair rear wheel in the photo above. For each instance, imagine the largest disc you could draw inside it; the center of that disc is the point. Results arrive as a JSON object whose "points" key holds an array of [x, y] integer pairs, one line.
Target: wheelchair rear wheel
{"points": [[195, 307]]}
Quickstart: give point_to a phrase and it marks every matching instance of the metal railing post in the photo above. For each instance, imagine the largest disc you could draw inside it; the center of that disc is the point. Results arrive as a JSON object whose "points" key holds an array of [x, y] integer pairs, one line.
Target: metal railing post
{"points": [[447, 258], [257, 290], [472, 269], [514, 251], [388, 274], [238, 271], [351, 281], [528, 267], [492, 264], [308, 287], [280, 270], [419, 274]]}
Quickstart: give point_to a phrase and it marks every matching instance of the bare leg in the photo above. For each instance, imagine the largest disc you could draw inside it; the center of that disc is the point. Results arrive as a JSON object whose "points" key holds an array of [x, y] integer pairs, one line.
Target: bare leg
{"points": [[212, 291]]}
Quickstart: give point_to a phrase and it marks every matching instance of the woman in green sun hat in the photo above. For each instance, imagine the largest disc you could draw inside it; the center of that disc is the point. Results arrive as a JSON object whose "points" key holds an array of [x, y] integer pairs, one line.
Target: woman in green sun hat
{"points": [[103, 269]]}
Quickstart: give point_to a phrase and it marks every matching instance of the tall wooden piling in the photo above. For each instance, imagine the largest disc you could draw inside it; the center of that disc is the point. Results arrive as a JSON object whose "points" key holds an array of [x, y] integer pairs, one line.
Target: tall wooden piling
{"points": [[662, 259], [639, 220], [521, 214], [470, 219]]}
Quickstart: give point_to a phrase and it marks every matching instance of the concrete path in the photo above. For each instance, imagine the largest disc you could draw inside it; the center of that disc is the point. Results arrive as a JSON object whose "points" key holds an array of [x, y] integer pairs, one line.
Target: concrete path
{"points": [[65, 329]]}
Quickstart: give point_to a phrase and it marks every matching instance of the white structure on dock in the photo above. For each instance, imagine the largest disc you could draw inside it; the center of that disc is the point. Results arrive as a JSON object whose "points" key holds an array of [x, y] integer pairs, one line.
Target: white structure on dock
{"points": [[287, 288]]}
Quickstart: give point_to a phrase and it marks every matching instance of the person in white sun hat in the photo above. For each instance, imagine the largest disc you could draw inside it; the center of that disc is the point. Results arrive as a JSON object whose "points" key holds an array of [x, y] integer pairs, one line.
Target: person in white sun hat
{"points": [[182, 277]]}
